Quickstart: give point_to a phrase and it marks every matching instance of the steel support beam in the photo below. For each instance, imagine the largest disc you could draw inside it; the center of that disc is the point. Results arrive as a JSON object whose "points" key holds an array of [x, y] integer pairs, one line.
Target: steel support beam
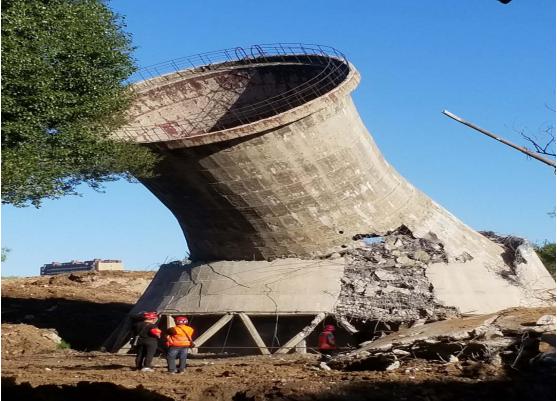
{"points": [[306, 331], [254, 334], [211, 331]]}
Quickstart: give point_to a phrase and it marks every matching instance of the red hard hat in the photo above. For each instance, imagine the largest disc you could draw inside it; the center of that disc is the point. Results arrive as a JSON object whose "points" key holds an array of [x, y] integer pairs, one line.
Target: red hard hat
{"points": [[150, 315], [181, 319], [329, 327]]}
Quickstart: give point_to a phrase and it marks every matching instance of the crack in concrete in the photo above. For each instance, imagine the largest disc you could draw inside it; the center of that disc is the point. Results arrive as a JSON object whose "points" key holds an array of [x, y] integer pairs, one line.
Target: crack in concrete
{"points": [[228, 277], [200, 296], [189, 289], [267, 294]]}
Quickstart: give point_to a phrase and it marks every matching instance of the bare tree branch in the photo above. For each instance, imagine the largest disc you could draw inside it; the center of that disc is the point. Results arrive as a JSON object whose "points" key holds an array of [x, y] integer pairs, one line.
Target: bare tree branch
{"points": [[542, 149], [543, 142]]}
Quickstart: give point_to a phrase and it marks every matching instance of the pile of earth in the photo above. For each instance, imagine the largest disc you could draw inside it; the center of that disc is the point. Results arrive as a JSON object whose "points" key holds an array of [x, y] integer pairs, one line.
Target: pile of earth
{"points": [[23, 339], [102, 287]]}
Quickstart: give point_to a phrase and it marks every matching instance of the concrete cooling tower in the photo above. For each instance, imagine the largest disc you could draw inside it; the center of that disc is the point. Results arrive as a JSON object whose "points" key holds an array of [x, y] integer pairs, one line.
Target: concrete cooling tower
{"points": [[292, 215]]}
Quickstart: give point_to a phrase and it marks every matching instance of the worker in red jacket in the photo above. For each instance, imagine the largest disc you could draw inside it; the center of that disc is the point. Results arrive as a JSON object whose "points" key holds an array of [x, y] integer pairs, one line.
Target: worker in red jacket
{"points": [[178, 340], [327, 343], [146, 339]]}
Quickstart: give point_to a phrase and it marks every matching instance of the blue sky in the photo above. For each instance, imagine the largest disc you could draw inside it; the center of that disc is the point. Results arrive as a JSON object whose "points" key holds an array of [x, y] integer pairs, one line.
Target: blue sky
{"points": [[491, 63]]}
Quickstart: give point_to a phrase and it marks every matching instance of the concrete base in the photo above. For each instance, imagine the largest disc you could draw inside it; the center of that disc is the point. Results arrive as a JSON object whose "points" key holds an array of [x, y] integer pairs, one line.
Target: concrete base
{"points": [[291, 286], [284, 295]]}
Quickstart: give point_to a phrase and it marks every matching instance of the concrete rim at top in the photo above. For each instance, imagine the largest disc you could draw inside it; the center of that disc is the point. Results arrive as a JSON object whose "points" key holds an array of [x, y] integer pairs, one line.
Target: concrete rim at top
{"points": [[167, 73]]}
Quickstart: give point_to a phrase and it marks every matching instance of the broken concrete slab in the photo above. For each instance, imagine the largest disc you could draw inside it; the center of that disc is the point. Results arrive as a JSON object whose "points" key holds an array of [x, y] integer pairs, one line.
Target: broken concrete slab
{"points": [[479, 338], [454, 329], [421, 256]]}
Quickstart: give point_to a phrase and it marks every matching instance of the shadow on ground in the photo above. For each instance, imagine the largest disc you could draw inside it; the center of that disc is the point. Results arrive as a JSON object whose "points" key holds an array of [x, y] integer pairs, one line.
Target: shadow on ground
{"points": [[516, 389], [523, 388], [83, 391]]}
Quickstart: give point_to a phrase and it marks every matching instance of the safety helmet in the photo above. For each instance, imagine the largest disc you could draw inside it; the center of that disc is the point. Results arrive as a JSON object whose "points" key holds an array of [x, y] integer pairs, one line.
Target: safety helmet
{"points": [[329, 327], [150, 315], [181, 319]]}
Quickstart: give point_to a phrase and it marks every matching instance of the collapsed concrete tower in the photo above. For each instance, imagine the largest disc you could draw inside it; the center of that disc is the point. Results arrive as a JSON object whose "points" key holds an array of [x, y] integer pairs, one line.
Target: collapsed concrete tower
{"points": [[275, 182]]}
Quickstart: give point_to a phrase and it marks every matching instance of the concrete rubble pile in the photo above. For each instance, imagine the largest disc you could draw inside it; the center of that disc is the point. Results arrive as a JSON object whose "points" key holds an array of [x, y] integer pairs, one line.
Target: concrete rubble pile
{"points": [[506, 338], [385, 280]]}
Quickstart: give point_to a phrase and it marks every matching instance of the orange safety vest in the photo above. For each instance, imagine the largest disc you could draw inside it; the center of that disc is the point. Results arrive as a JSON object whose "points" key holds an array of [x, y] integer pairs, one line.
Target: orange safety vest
{"points": [[180, 336]]}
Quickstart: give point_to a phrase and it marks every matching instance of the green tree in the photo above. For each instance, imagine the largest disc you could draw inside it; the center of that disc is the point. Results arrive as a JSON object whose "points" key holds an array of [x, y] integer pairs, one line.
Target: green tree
{"points": [[64, 64], [4, 255], [546, 252]]}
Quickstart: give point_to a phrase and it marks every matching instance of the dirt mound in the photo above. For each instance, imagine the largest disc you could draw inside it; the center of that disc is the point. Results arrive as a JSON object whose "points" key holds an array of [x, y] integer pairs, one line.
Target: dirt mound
{"points": [[109, 286], [22, 339], [84, 308]]}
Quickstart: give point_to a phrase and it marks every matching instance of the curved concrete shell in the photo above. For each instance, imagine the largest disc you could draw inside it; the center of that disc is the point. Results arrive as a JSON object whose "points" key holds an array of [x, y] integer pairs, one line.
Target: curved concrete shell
{"points": [[269, 158], [266, 157]]}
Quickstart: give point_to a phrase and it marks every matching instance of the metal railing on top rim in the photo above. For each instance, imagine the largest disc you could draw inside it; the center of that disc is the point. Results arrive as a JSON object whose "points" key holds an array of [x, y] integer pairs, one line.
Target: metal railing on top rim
{"points": [[252, 55], [332, 73]]}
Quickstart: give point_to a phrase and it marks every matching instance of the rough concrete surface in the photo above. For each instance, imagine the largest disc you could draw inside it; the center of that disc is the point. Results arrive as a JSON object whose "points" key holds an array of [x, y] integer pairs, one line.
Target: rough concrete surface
{"points": [[269, 159], [279, 286], [386, 280]]}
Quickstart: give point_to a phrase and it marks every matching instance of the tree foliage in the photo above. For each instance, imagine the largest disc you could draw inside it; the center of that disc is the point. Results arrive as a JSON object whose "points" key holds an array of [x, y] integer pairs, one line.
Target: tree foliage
{"points": [[5, 252], [64, 63], [546, 252]]}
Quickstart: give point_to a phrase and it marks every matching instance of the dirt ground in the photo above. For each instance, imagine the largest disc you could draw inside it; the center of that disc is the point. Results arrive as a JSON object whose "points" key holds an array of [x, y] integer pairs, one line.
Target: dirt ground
{"points": [[290, 377], [35, 367]]}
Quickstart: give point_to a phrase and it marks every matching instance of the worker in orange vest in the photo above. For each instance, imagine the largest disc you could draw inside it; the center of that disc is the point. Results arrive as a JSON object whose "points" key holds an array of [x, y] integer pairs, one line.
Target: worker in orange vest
{"points": [[327, 343], [178, 341]]}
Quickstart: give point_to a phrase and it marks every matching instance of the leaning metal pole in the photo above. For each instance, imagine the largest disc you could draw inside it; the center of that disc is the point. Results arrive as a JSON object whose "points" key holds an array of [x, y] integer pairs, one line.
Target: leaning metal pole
{"points": [[498, 138]]}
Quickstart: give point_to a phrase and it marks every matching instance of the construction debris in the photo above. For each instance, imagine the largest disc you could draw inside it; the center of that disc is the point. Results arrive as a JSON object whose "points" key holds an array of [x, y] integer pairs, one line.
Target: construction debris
{"points": [[508, 337], [385, 280]]}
